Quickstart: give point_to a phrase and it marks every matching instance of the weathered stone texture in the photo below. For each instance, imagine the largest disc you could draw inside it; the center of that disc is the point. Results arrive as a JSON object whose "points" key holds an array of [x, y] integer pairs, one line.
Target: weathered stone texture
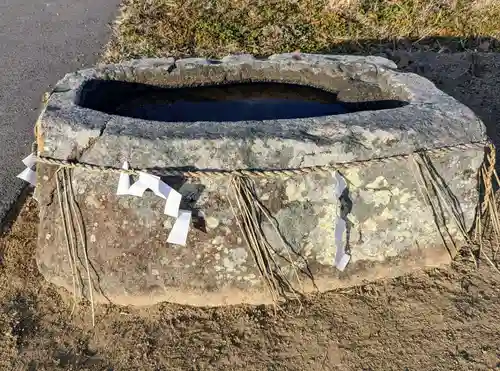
{"points": [[391, 229]]}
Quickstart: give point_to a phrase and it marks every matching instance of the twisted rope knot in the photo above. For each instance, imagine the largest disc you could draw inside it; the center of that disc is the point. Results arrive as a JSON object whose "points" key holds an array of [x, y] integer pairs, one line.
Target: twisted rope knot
{"points": [[489, 171]]}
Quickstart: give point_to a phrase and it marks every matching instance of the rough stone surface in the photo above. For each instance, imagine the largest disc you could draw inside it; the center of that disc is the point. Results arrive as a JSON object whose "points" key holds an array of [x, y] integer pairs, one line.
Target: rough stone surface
{"points": [[390, 227]]}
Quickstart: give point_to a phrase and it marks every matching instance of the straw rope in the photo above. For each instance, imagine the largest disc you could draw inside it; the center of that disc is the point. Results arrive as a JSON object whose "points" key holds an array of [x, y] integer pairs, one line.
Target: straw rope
{"points": [[324, 170], [71, 216]]}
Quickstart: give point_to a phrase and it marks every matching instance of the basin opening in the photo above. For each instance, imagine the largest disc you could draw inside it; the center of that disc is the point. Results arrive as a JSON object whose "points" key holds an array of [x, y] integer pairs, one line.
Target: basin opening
{"points": [[230, 102]]}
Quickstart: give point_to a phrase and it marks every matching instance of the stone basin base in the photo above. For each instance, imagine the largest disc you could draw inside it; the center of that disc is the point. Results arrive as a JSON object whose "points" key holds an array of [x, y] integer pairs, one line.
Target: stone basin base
{"points": [[400, 208], [187, 294]]}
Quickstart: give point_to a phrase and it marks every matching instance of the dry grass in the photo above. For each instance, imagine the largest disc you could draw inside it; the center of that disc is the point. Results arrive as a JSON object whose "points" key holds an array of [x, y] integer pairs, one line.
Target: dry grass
{"points": [[211, 28]]}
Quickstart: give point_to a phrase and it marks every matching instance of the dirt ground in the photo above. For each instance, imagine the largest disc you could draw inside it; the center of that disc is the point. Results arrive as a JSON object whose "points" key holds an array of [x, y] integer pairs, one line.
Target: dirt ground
{"points": [[440, 319]]}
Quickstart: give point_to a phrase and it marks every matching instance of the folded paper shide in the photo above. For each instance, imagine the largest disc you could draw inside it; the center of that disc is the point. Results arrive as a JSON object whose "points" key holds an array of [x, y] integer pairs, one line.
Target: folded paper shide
{"points": [[179, 232], [28, 174], [341, 257]]}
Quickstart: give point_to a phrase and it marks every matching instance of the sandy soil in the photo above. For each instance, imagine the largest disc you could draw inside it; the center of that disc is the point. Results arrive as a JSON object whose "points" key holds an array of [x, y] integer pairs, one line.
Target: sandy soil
{"points": [[441, 319]]}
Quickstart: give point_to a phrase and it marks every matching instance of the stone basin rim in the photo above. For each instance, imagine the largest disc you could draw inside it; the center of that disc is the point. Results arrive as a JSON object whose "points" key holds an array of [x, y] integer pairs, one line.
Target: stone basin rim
{"points": [[452, 122], [334, 77]]}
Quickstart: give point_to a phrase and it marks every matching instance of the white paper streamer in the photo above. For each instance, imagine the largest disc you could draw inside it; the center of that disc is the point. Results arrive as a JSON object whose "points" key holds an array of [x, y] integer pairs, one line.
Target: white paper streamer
{"points": [[145, 181], [30, 160], [28, 174], [172, 204], [123, 182], [155, 184], [179, 232], [341, 258]]}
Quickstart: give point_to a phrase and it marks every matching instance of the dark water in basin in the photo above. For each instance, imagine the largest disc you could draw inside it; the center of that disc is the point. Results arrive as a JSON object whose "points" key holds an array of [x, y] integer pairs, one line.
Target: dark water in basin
{"points": [[233, 110], [234, 102]]}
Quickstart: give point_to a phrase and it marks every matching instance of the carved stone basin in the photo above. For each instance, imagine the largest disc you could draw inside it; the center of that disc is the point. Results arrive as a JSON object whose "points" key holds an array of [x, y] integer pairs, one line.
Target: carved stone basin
{"points": [[314, 114]]}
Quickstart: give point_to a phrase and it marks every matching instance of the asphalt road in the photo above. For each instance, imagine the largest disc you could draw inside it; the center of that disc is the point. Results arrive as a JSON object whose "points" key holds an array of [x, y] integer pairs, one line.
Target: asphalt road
{"points": [[40, 41]]}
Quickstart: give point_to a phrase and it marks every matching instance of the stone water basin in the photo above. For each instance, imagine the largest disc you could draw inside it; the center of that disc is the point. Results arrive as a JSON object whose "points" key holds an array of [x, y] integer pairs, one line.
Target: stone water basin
{"points": [[283, 112]]}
